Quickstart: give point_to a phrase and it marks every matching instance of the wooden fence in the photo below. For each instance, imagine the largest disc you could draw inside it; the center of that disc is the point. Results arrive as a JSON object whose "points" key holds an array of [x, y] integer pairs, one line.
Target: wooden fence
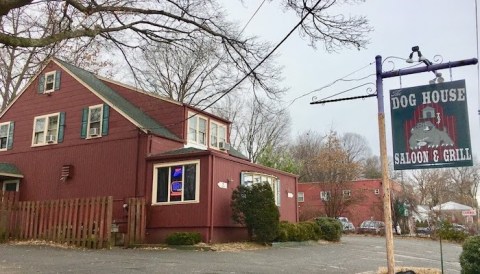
{"points": [[85, 222], [136, 222]]}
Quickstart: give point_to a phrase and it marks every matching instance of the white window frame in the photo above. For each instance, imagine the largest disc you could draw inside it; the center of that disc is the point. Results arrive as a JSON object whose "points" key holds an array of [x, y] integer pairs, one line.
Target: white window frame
{"points": [[377, 191], [301, 197], [45, 89], [89, 123], [325, 195], [215, 137], [195, 116], [168, 202], [4, 185], [6, 136], [45, 129], [256, 178], [346, 193]]}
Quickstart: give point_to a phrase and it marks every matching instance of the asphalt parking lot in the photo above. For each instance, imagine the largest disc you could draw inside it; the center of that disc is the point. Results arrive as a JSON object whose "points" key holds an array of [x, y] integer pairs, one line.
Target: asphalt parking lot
{"points": [[354, 254]]}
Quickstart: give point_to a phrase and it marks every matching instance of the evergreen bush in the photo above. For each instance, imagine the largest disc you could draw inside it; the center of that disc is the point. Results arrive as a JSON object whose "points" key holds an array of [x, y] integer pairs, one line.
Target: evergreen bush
{"points": [[254, 206], [470, 257], [330, 229], [184, 238], [447, 232]]}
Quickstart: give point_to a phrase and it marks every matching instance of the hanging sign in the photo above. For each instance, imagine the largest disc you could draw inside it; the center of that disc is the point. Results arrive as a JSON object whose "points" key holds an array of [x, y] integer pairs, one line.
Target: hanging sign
{"points": [[430, 126]]}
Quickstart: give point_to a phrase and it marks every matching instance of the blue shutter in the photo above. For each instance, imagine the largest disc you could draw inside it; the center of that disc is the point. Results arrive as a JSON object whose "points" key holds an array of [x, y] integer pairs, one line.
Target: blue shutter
{"points": [[241, 178], [10, 135], [106, 116], [83, 129], [58, 74], [61, 127], [41, 84]]}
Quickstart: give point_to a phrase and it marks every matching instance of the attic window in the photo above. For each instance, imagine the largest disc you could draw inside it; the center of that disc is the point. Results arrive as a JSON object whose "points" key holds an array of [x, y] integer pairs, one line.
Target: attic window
{"points": [[49, 82]]}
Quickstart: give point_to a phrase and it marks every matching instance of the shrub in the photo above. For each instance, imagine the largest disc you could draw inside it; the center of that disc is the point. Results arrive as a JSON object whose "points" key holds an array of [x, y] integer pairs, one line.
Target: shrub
{"points": [[330, 229], [447, 232], [470, 257], [184, 238], [254, 206]]}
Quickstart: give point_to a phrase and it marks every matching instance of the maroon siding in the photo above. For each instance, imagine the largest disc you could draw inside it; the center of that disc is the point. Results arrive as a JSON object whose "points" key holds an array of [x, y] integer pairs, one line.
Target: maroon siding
{"points": [[111, 165], [369, 206], [169, 114], [212, 215]]}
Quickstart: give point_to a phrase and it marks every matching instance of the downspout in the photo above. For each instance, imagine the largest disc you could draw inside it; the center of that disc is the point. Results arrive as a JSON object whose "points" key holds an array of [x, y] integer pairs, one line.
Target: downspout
{"points": [[210, 168], [296, 198]]}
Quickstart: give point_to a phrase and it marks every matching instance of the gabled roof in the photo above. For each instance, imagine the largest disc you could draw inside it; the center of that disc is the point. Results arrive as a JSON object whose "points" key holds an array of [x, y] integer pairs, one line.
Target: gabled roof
{"points": [[120, 104], [10, 170]]}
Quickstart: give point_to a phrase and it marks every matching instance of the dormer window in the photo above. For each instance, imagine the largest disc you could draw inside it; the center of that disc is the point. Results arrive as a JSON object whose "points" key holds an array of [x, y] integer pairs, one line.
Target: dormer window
{"points": [[197, 129], [49, 82], [218, 135]]}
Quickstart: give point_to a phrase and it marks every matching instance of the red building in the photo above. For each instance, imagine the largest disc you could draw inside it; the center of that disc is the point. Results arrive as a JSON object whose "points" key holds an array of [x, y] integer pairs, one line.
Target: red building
{"points": [[365, 196], [71, 134]]}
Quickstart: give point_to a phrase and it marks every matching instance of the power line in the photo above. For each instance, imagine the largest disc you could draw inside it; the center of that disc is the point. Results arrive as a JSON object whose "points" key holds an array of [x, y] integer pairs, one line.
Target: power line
{"points": [[333, 82], [324, 100], [253, 15], [265, 58]]}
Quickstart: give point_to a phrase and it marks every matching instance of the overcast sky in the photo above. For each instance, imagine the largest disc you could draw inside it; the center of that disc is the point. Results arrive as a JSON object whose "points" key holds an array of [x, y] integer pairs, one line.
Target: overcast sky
{"points": [[438, 27]]}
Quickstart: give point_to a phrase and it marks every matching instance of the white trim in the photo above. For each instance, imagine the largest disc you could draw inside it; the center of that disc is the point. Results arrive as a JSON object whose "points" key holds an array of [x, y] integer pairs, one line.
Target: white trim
{"points": [[45, 129], [99, 134], [4, 185], [8, 130], [325, 195], [197, 118], [272, 180], [219, 125], [170, 164], [301, 197], [45, 90]]}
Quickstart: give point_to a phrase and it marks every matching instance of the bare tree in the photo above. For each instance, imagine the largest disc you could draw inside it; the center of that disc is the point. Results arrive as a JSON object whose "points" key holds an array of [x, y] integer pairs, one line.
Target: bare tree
{"points": [[198, 74], [464, 182], [371, 168], [18, 65], [356, 147], [261, 124], [305, 149], [129, 26], [337, 172], [431, 185]]}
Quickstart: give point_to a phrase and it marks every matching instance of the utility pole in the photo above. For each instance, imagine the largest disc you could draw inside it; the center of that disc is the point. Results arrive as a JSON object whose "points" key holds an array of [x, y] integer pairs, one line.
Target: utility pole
{"points": [[429, 66], [387, 211]]}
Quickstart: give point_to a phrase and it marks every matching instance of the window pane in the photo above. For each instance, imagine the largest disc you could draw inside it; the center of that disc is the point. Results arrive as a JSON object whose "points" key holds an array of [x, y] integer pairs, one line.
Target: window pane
{"points": [[162, 184], [3, 142], [95, 114], [40, 125], [10, 186], [222, 136], [213, 135], [3, 131], [52, 125], [190, 182], [202, 131], [192, 129], [176, 183]]}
